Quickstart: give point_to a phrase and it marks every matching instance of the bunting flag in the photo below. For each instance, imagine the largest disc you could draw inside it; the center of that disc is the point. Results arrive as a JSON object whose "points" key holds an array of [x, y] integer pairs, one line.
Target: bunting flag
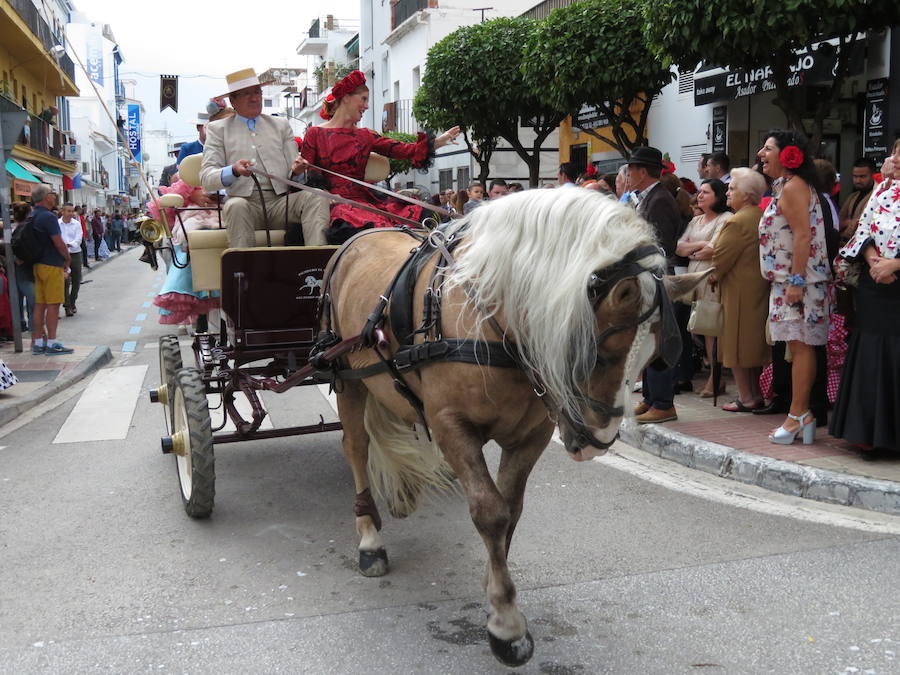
{"points": [[168, 92]]}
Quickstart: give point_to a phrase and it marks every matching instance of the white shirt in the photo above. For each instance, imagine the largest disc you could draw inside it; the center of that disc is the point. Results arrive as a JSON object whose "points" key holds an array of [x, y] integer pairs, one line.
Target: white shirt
{"points": [[71, 234]]}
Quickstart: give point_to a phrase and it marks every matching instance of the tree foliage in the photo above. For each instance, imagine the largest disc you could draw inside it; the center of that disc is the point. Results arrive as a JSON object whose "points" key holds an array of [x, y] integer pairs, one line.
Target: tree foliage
{"points": [[765, 33], [594, 53], [473, 78], [399, 165]]}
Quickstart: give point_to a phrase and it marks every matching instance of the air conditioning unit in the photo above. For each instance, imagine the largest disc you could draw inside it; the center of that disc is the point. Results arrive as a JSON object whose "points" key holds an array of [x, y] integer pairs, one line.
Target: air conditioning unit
{"points": [[86, 168]]}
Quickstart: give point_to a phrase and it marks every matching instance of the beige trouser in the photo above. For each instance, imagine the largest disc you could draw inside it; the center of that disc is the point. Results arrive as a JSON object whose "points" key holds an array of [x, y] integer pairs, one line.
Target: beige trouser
{"points": [[243, 215]]}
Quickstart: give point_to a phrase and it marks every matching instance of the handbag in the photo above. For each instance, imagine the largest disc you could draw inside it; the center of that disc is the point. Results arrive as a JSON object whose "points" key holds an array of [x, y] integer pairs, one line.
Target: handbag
{"points": [[707, 318]]}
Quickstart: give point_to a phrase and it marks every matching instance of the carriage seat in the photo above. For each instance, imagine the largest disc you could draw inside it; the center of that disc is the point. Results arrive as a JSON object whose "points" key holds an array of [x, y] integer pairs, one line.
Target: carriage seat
{"points": [[270, 296], [207, 247]]}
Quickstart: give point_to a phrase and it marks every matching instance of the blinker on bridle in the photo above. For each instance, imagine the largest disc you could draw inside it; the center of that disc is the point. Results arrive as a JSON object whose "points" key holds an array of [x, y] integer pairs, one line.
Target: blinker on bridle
{"points": [[599, 286]]}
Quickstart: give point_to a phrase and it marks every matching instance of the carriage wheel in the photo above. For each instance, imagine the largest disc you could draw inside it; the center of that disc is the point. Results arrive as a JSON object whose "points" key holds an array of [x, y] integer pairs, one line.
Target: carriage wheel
{"points": [[169, 364], [193, 444]]}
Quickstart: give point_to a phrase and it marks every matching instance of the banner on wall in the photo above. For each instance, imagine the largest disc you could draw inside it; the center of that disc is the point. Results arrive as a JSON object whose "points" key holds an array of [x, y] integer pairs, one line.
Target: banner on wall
{"points": [[134, 131], [719, 128], [875, 136], [95, 58]]}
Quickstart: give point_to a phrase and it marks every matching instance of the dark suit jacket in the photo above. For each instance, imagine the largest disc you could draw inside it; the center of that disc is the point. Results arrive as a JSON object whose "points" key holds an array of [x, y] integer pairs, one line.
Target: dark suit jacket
{"points": [[660, 210]]}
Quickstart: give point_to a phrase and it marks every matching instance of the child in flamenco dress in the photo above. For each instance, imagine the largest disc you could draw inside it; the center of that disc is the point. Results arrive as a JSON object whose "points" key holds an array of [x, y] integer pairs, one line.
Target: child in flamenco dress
{"points": [[178, 302]]}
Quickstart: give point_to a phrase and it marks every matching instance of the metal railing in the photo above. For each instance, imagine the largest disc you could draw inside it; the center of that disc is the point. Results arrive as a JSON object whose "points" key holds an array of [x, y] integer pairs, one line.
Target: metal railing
{"points": [[38, 134], [29, 14], [405, 9]]}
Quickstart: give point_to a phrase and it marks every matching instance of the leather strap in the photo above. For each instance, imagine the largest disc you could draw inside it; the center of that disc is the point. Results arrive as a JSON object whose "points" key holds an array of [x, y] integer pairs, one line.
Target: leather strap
{"points": [[365, 506]]}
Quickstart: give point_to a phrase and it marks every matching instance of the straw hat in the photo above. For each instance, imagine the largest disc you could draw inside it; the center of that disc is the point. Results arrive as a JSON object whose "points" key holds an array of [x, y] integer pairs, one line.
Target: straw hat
{"points": [[243, 79]]}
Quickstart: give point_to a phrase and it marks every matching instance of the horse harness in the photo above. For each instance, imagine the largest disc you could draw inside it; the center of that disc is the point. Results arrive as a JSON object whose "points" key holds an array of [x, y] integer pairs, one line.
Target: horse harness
{"points": [[396, 305]]}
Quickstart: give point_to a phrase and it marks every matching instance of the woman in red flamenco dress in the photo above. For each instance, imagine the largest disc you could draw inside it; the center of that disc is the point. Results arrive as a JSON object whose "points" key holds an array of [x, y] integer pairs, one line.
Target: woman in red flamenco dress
{"points": [[339, 145]]}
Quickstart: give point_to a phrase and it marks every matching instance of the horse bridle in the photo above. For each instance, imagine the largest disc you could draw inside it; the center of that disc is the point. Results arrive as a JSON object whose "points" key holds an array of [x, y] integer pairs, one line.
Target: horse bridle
{"points": [[600, 285]]}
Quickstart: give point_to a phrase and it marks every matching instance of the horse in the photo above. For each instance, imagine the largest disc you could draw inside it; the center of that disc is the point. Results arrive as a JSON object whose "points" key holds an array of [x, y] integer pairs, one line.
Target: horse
{"points": [[569, 281]]}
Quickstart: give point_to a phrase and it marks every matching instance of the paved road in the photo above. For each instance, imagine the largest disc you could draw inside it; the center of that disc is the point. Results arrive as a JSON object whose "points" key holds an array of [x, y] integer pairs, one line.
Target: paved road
{"points": [[627, 565]]}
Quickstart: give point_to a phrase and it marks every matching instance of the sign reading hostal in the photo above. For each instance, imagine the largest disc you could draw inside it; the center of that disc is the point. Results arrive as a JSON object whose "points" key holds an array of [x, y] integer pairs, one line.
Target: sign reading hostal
{"points": [[134, 131]]}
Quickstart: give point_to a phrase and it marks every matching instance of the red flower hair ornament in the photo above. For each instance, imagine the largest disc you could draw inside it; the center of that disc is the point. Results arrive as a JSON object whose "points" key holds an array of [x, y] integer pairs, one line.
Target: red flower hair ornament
{"points": [[346, 86], [791, 157]]}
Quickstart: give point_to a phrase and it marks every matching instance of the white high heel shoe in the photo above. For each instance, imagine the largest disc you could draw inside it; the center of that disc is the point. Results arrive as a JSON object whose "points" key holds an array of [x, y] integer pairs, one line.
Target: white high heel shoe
{"points": [[784, 437]]}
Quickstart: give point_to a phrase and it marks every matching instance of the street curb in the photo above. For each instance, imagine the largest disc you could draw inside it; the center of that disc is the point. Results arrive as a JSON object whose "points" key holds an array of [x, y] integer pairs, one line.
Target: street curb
{"points": [[773, 474], [94, 361]]}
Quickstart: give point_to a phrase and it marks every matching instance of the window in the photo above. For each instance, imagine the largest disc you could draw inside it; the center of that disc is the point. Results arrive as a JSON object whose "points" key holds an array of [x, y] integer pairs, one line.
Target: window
{"points": [[462, 177], [385, 72], [578, 155], [15, 88], [267, 103], [416, 79], [397, 90], [685, 81], [445, 179], [691, 153]]}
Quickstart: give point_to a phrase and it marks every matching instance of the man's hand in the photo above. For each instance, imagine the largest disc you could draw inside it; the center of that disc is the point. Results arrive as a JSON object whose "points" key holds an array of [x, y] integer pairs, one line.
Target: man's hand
{"points": [[242, 167], [299, 166], [793, 294]]}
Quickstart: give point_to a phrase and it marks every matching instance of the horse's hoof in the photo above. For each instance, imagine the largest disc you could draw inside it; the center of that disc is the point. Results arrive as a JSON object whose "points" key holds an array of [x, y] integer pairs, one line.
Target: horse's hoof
{"points": [[373, 563], [512, 653]]}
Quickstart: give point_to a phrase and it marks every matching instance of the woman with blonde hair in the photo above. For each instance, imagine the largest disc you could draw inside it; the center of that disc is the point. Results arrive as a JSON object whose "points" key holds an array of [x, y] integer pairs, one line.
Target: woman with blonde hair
{"points": [[744, 293]]}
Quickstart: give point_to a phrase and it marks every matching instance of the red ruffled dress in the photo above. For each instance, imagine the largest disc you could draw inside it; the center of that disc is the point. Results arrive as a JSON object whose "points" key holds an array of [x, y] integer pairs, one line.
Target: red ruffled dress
{"points": [[346, 150]]}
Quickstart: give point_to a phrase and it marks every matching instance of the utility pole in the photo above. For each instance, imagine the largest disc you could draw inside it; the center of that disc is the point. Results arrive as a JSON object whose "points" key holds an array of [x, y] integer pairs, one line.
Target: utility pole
{"points": [[11, 123]]}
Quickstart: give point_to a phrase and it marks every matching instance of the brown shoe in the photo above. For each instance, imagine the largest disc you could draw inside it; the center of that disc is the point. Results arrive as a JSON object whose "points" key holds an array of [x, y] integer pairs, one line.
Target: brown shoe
{"points": [[655, 416], [641, 408]]}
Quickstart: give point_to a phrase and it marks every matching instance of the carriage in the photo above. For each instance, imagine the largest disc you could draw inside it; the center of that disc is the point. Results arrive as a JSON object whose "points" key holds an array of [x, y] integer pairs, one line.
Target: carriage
{"points": [[516, 340]]}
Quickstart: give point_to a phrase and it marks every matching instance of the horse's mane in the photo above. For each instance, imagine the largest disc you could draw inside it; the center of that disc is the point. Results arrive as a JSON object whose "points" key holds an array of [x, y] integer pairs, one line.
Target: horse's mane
{"points": [[530, 256]]}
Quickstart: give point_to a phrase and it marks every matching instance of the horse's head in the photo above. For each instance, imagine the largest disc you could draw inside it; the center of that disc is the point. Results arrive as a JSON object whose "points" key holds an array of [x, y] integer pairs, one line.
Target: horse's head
{"points": [[635, 324]]}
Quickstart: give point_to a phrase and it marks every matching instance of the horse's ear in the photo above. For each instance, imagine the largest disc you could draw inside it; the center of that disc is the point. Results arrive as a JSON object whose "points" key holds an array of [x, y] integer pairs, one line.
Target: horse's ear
{"points": [[681, 285]]}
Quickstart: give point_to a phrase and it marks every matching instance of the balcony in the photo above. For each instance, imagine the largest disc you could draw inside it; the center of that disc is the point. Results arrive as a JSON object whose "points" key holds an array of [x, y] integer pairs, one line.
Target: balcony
{"points": [[29, 15], [398, 116], [39, 135], [320, 33], [401, 10]]}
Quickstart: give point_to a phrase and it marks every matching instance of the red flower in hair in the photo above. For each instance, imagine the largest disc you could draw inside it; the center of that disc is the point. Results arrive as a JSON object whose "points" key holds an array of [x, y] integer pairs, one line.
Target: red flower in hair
{"points": [[668, 167], [348, 85], [591, 171], [324, 113], [791, 157]]}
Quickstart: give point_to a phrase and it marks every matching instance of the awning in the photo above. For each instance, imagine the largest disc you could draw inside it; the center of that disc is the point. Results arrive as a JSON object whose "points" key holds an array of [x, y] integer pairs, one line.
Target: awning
{"points": [[31, 168], [18, 171], [50, 169]]}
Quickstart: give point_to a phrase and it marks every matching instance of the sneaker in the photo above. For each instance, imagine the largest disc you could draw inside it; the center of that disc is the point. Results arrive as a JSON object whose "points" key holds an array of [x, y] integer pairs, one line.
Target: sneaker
{"points": [[58, 349], [641, 408], [37, 349], [656, 416]]}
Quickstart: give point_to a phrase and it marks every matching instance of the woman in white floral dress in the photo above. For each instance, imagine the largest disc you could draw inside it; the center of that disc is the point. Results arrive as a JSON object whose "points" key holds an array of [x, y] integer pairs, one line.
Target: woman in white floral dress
{"points": [[793, 257]]}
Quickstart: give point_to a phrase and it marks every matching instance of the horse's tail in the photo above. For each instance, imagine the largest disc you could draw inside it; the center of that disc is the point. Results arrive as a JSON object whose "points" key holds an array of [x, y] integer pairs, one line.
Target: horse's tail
{"points": [[402, 463]]}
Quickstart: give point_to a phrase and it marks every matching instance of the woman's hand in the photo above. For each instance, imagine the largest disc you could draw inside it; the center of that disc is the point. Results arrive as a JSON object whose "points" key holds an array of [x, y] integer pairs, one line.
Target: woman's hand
{"points": [[447, 137], [884, 270], [705, 253], [793, 295], [299, 165]]}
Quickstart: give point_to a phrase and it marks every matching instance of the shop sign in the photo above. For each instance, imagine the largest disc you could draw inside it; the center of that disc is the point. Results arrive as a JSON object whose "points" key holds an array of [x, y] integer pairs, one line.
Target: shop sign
{"points": [[590, 117], [134, 131], [810, 67], [22, 187], [875, 136], [95, 58], [719, 128]]}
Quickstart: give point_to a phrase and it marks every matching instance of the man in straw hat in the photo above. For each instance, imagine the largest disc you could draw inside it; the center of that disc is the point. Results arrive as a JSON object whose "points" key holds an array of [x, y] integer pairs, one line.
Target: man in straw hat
{"points": [[249, 138]]}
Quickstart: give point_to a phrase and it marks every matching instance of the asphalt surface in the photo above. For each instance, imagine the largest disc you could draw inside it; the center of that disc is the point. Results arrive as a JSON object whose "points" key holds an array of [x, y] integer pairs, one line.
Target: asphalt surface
{"points": [[617, 571]]}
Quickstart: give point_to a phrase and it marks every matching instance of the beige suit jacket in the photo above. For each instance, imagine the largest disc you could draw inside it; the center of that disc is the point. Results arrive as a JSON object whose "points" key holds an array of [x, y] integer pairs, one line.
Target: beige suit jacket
{"points": [[272, 146]]}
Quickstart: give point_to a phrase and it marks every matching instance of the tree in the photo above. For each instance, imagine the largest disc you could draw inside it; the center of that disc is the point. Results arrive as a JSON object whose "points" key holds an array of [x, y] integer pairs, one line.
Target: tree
{"points": [[399, 165], [594, 53], [767, 34], [473, 78]]}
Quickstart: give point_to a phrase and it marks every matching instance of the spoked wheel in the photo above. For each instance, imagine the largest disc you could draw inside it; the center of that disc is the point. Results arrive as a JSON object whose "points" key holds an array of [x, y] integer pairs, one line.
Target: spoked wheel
{"points": [[169, 364], [193, 444]]}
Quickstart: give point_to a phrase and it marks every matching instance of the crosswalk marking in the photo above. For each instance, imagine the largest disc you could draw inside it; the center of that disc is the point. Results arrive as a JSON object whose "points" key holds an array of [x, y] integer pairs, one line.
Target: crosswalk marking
{"points": [[146, 304], [141, 317], [105, 409], [129, 346], [134, 330]]}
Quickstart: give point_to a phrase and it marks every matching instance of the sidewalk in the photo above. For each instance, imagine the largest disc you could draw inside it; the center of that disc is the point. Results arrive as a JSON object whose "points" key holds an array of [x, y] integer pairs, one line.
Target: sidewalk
{"points": [[41, 377], [735, 445]]}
